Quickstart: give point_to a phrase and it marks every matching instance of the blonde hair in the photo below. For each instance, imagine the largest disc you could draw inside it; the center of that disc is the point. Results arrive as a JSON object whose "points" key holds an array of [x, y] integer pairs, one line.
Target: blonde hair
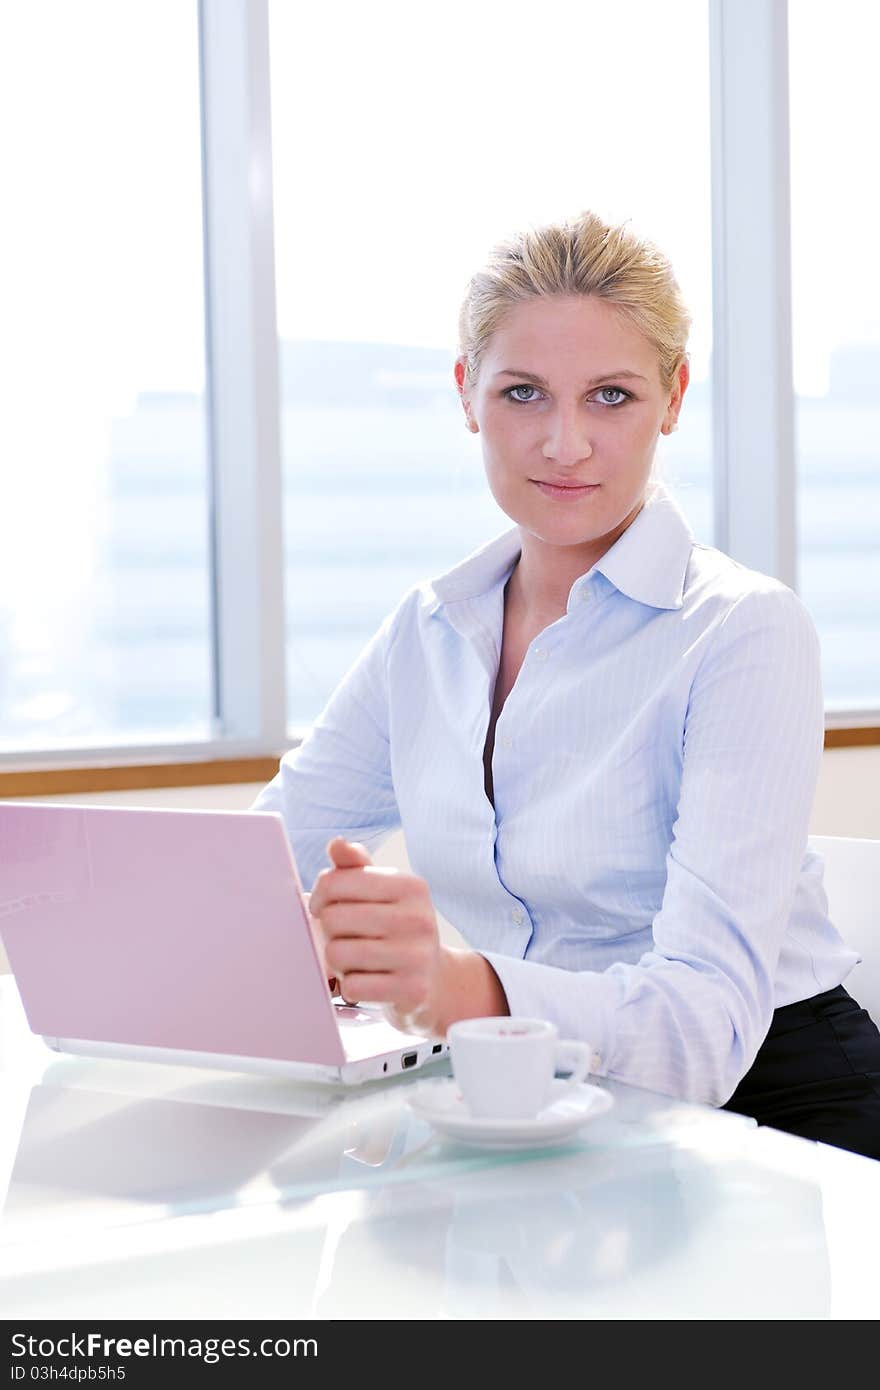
{"points": [[581, 255]]}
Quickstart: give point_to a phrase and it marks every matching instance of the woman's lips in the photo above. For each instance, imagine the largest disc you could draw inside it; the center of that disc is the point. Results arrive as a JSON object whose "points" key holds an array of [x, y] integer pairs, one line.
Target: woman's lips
{"points": [[568, 493]]}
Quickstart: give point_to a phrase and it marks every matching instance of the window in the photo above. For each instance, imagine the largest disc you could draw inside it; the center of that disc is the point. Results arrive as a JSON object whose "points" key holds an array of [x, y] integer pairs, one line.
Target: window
{"points": [[140, 598], [104, 574], [836, 322], [405, 141]]}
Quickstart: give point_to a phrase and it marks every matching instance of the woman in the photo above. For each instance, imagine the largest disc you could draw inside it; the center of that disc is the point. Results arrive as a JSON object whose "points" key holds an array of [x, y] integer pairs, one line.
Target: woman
{"points": [[601, 738]]}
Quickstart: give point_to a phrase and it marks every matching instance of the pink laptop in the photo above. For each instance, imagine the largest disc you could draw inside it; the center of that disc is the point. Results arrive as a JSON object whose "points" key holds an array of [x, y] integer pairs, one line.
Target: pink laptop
{"points": [[179, 936]]}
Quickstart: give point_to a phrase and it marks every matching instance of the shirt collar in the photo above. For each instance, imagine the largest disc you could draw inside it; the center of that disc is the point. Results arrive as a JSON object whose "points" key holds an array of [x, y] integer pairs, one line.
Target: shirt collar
{"points": [[648, 563]]}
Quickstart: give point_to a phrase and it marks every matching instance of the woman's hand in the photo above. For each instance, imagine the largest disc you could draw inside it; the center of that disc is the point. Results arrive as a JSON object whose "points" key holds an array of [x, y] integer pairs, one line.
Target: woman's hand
{"points": [[382, 944], [318, 938]]}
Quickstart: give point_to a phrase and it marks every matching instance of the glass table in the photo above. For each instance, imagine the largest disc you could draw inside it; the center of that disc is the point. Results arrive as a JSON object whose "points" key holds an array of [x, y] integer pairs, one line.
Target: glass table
{"points": [[143, 1191]]}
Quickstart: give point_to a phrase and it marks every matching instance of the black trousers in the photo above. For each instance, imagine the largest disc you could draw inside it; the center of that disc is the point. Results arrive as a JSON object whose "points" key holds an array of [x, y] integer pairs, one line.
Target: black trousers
{"points": [[817, 1074]]}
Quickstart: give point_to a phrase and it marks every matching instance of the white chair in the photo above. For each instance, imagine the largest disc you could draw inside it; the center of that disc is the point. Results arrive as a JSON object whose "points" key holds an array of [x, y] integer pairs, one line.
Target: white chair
{"points": [[852, 882]]}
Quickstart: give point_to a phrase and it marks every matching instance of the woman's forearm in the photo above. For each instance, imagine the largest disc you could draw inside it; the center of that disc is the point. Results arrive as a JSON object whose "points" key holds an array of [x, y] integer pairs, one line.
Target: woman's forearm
{"points": [[470, 989]]}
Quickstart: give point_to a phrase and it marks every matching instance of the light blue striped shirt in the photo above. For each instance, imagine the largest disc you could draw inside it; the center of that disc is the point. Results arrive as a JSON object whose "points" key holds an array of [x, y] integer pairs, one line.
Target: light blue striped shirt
{"points": [[643, 879]]}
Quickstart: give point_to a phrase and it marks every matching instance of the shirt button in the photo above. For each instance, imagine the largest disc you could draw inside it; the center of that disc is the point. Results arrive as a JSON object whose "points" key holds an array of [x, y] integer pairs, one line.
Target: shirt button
{"points": [[506, 742], [584, 594], [518, 916], [540, 654]]}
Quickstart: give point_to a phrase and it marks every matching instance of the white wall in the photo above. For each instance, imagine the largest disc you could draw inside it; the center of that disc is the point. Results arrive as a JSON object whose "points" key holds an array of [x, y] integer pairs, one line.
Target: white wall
{"points": [[847, 803], [848, 795]]}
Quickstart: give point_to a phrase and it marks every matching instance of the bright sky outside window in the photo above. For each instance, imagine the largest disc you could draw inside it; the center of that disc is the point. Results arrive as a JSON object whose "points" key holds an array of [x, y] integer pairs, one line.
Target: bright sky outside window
{"points": [[836, 321], [104, 580], [405, 141]]}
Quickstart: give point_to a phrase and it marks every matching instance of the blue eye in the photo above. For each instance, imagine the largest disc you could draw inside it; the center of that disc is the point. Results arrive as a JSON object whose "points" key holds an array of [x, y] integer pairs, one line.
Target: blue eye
{"points": [[513, 393], [606, 391]]}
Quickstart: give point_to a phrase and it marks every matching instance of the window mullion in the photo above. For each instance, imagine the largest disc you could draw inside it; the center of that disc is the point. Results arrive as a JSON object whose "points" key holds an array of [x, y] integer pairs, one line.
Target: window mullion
{"points": [[755, 478], [242, 355]]}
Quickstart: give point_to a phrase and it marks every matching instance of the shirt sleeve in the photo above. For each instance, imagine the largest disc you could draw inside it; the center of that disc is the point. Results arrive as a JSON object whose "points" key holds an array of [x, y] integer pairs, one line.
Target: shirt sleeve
{"points": [[689, 1017], [338, 781]]}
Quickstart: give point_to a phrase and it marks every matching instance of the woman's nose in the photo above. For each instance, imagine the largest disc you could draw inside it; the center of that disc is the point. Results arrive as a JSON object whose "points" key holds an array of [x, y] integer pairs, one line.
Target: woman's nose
{"points": [[568, 438]]}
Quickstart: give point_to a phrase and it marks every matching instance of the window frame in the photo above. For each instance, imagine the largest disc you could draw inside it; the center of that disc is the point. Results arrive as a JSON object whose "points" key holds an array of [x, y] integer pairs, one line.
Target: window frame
{"points": [[754, 469]]}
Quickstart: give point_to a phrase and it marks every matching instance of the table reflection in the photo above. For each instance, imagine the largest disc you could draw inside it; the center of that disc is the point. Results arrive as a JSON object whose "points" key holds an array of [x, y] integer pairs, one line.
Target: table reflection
{"points": [[630, 1219], [650, 1232]]}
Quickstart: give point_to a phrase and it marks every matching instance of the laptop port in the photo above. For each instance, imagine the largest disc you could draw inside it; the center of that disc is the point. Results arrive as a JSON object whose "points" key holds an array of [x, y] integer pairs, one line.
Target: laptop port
{"points": [[409, 1059], [438, 1047]]}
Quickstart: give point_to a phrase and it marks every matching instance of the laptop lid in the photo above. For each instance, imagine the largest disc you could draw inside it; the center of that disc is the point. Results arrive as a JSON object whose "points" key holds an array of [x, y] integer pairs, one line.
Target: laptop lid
{"points": [[176, 929]]}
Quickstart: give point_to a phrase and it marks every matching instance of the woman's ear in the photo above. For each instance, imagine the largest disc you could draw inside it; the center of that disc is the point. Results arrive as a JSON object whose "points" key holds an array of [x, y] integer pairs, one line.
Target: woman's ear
{"points": [[461, 383], [670, 420]]}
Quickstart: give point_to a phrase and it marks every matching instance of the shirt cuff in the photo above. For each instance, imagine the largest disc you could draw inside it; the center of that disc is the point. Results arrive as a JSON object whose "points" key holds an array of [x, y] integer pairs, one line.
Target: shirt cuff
{"points": [[576, 1001]]}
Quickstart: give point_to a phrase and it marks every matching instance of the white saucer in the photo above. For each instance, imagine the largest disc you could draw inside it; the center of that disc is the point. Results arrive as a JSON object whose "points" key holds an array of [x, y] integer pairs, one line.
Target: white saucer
{"points": [[442, 1105]]}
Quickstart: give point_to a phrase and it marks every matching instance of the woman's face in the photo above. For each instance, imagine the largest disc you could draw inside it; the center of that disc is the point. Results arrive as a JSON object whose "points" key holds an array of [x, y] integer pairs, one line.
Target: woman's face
{"points": [[569, 404]]}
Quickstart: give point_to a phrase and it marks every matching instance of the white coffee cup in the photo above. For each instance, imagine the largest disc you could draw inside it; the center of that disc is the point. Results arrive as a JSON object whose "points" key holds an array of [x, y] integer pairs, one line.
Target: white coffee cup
{"points": [[505, 1067]]}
